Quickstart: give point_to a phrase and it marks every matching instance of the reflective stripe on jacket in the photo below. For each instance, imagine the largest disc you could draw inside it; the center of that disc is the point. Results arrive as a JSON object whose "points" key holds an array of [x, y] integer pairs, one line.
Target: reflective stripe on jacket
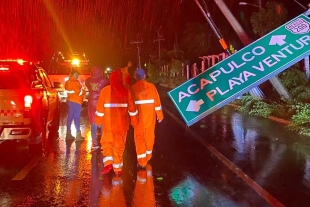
{"points": [[147, 102], [114, 112]]}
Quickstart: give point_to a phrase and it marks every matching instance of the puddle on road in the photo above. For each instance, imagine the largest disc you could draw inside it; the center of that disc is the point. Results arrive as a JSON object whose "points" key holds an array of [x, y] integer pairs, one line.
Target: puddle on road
{"points": [[190, 192]]}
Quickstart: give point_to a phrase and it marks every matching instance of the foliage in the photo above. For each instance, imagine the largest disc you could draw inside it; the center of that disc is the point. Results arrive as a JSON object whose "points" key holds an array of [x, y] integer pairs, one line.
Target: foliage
{"points": [[269, 18], [301, 94], [197, 40], [176, 53], [247, 102], [255, 106], [164, 56], [174, 77], [178, 80], [293, 77], [176, 73], [298, 113], [153, 73], [159, 62], [166, 80], [152, 70], [301, 118], [301, 121], [261, 109], [282, 111], [236, 102], [296, 83], [175, 67]]}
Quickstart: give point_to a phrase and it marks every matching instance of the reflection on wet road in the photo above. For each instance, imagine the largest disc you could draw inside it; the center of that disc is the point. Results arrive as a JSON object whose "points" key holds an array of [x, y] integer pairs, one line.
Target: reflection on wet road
{"points": [[183, 172], [266, 152]]}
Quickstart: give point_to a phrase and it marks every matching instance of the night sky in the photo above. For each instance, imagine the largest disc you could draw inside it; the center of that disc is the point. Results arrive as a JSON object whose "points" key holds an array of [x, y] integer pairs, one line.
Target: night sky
{"points": [[104, 29]]}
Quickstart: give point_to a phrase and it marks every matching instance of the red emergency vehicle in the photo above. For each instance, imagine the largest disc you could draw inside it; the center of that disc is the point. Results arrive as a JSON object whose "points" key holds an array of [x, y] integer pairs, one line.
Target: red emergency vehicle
{"points": [[61, 66]]}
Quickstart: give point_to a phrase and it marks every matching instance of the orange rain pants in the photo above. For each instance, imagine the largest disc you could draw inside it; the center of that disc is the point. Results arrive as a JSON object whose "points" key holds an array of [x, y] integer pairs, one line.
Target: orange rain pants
{"points": [[113, 143], [144, 140], [149, 107]]}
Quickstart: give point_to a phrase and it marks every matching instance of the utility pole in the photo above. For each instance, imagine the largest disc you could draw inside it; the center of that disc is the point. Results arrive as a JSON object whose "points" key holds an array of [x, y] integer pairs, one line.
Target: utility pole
{"points": [[209, 19], [306, 60], [246, 41], [138, 42], [159, 38], [255, 91]]}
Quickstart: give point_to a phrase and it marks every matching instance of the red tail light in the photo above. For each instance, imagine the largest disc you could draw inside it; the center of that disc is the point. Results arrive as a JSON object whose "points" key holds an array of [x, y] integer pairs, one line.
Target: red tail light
{"points": [[27, 106], [28, 101]]}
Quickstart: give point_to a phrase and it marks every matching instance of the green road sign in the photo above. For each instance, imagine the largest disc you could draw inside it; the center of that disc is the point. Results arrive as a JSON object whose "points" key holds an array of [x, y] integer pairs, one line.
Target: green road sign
{"points": [[249, 67]]}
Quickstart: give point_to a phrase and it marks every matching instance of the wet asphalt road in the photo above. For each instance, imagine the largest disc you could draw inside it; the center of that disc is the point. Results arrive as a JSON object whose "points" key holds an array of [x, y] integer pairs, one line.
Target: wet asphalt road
{"points": [[183, 171]]}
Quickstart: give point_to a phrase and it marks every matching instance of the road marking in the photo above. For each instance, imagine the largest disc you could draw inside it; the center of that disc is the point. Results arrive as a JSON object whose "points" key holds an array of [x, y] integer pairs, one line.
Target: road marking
{"points": [[24, 172], [255, 186]]}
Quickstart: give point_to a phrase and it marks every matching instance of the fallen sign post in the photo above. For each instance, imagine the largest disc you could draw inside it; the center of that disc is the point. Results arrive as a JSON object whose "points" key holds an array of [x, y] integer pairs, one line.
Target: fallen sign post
{"points": [[237, 74]]}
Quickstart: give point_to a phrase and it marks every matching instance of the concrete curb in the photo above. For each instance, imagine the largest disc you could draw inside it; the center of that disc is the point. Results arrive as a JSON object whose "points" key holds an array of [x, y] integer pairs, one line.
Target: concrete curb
{"points": [[282, 121]]}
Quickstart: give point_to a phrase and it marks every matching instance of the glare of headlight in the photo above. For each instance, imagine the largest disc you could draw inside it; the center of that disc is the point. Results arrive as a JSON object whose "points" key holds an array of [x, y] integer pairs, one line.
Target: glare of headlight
{"points": [[108, 69], [20, 61], [75, 62]]}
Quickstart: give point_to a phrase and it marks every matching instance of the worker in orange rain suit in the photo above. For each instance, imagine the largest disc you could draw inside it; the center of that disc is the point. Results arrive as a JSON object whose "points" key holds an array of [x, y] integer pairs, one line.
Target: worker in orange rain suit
{"points": [[94, 84], [149, 107], [144, 189], [75, 97], [126, 75], [113, 106], [112, 194]]}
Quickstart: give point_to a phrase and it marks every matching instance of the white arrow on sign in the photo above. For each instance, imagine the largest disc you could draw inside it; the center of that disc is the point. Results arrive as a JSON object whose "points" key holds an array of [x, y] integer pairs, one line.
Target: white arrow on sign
{"points": [[277, 40], [194, 105]]}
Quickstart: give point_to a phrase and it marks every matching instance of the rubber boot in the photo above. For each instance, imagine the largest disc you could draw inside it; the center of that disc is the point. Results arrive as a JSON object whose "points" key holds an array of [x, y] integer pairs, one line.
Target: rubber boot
{"points": [[69, 135], [141, 167], [106, 169], [79, 136]]}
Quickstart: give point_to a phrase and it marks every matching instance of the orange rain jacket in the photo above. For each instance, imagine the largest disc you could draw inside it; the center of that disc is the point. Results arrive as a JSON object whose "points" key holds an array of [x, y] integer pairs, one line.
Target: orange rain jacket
{"points": [[148, 104], [113, 108], [74, 90], [126, 77]]}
